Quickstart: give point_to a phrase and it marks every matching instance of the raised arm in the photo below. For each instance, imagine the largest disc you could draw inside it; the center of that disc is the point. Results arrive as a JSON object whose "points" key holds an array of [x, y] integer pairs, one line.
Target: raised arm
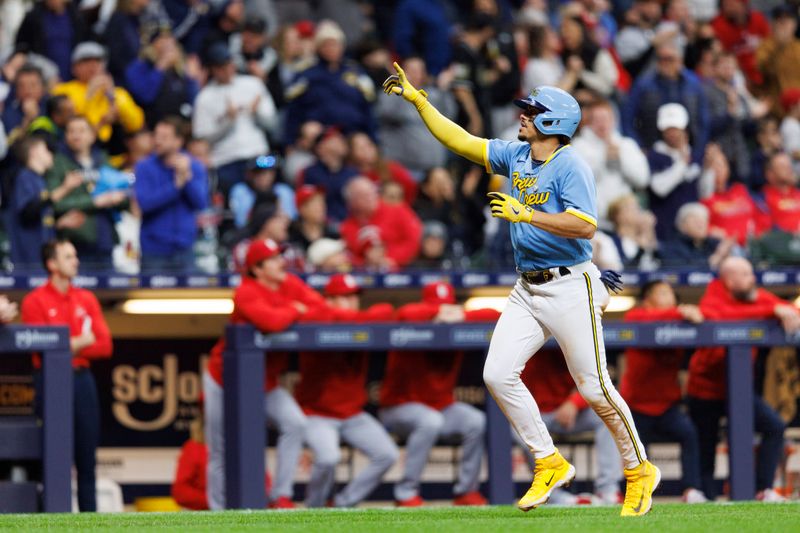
{"points": [[447, 132]]}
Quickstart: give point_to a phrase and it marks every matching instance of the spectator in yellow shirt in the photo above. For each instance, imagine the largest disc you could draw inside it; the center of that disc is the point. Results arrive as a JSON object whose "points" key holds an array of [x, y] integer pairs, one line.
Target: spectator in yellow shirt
{"points": [[96, 97]]}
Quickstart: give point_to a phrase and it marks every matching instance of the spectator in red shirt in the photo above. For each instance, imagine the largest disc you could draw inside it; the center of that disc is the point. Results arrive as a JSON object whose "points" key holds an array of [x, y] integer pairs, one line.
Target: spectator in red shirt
{"points": [[732, 212], [417, 400], [781, 193], [734, 296], [379, 235], [364, 155], [59, 303], [650, 385], [272, 300], [332, 393], [741, 30], [565, 412]]}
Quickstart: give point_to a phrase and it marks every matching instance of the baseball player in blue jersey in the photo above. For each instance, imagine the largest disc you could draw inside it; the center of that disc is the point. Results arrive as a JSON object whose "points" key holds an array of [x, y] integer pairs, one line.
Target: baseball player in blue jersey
{"points": [[560, 293]]}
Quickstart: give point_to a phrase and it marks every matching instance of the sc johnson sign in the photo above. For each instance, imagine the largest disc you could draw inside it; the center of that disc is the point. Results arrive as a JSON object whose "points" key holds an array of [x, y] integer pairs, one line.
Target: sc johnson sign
{"points": [[151, 384]]}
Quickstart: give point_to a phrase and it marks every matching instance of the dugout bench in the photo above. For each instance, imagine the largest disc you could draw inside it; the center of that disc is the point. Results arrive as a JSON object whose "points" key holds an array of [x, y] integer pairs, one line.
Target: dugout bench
{"points": [[25, 438], [244, 379]]}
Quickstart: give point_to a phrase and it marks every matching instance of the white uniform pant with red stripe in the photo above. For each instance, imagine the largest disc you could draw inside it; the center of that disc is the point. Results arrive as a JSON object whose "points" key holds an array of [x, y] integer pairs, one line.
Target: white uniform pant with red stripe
{"points": [[568, 308]]}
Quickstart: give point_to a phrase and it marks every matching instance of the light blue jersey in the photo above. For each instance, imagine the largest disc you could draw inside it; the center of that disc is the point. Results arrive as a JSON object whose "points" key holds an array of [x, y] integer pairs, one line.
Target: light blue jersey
{"points": [[563, 183]]}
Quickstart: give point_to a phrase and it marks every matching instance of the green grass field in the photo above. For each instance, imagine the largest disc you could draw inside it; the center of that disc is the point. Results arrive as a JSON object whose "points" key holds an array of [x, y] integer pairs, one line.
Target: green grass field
{"points": [[739, 518]]}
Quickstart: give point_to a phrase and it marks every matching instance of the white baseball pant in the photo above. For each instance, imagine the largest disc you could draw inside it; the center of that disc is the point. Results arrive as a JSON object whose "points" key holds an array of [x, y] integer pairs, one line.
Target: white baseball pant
{"points": [[422, 426], [282, 412], [569, 308], [609, 465], [363, 433]]}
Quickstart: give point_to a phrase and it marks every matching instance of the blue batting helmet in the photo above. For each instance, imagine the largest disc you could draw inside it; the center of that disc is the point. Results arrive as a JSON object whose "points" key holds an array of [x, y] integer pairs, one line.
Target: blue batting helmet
{"points": [[560, 114]]}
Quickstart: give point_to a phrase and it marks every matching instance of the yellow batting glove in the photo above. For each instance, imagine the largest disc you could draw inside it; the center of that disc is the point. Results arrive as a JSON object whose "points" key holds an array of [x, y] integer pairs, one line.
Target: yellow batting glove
{"points": [[399, 84], [509, 208]]}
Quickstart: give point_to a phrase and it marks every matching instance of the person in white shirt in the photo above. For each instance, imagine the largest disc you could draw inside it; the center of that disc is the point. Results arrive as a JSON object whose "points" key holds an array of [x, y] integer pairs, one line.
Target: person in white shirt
{"points": [[232, 113], [544, 66], [603, 147]]}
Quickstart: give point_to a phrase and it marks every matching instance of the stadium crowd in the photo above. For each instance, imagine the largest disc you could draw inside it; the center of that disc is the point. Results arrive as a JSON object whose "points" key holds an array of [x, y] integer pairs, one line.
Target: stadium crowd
{"points": [[165, 135]]}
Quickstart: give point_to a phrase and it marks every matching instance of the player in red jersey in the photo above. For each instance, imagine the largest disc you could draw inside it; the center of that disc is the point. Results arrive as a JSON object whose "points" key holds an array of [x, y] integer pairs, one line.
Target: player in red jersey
{"points": [[59, 303], [417, 400], [332, 393], [272, 300], [734, 296], [651, 388]]}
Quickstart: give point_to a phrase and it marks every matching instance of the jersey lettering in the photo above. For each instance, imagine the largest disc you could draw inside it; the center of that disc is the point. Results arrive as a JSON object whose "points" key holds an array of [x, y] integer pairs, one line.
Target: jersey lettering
{"points": [[523, 183], [536, 198]]}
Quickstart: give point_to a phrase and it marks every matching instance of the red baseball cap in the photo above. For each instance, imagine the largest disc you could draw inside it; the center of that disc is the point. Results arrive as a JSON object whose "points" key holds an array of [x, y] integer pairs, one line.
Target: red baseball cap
{"points": [[342, 285], [439, 292], [305, 193], [305, 28], [260, 250]]}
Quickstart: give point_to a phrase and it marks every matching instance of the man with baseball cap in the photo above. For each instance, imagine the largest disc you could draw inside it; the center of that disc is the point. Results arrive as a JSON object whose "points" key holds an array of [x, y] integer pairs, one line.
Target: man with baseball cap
{"points": [[332, 393], [333, 91], [418, 403], [96, 97], [674, 169], [272, 300]]}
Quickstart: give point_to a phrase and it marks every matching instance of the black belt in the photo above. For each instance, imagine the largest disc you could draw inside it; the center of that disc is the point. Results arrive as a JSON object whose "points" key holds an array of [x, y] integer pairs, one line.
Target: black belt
{"points": [[538, 277]]}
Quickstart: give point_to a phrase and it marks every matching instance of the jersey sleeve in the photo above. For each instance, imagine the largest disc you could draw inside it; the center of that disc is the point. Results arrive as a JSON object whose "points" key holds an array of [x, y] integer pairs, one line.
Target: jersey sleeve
{"points": [[578, 192], [498, 157]]}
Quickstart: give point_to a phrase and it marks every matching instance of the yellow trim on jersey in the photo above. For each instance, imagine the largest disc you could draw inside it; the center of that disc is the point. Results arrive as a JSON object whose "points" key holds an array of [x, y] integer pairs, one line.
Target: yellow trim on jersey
{"points": [[486, 163], [600, 370], [453, 136], [581, 215], [553, 155]]}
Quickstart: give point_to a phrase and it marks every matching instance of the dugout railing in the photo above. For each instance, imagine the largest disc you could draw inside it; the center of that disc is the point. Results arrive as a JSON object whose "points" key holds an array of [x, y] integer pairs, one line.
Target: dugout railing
{"points": [[410, 279], [47, 440], [244, 381]]}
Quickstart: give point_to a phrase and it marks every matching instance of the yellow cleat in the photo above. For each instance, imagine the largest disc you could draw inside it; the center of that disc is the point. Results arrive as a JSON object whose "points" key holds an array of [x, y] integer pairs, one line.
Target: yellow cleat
{"points": [[550, 473], [642, 482]]}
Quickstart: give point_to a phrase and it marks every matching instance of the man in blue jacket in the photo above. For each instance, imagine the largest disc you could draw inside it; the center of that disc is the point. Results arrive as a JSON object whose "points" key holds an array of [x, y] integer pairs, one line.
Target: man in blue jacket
{"points": [[171, 187], [334, 91]]}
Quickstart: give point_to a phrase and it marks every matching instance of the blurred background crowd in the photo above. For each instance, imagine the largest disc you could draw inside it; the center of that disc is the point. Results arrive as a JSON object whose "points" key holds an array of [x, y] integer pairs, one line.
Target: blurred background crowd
{"points": [[165, 135]]}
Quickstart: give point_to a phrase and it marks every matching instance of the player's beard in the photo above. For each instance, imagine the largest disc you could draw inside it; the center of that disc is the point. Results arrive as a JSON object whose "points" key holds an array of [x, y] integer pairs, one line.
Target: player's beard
{"points": [[532, 137]]}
